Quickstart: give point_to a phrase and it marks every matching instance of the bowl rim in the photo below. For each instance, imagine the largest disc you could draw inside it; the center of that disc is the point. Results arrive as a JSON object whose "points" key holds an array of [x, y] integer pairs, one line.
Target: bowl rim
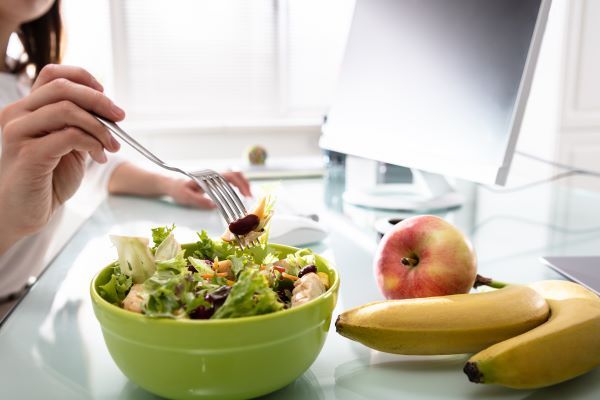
{"points": [[101, 302]]}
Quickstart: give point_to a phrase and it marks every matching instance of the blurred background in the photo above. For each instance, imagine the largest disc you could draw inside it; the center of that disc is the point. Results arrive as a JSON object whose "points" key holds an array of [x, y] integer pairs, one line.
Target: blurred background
{"points": [[205, 79], [234, 72]]}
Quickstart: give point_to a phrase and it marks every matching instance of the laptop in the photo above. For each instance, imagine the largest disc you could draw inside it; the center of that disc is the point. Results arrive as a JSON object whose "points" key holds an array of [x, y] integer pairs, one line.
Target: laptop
{"points": [[583, 270]]}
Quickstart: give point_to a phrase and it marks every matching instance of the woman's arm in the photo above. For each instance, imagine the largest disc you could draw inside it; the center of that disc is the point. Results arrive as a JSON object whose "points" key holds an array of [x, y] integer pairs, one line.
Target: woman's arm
{"points": [[8, 237], [130, 179], [45, 138]]}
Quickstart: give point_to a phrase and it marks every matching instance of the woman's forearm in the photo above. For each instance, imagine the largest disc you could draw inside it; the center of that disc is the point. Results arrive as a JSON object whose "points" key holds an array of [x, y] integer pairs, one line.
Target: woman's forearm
{"points": [[6, 242], [130, 179], [9, 235]]}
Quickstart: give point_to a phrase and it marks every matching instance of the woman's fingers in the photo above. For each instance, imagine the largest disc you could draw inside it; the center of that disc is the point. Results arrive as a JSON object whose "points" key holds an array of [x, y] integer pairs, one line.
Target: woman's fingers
{"points": [[58, 116], [239, 180], [201, 201], [59, 143], [193, 195], [85, 97], [75, 74]]}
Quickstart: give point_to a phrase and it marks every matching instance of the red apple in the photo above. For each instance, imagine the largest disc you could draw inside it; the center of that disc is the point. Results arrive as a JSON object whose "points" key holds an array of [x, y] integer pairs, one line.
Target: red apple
{"points": [[424, 256]]}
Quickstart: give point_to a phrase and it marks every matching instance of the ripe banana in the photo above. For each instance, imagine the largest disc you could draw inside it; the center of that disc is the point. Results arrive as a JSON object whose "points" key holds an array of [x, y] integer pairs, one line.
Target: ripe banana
{"points": [[462, 323], [566, 346]]}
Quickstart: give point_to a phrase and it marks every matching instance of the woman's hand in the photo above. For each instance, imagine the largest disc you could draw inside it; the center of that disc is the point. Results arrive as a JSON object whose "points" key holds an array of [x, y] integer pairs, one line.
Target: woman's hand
{"points": [[129, 179], [187, 192], [46, 137]]}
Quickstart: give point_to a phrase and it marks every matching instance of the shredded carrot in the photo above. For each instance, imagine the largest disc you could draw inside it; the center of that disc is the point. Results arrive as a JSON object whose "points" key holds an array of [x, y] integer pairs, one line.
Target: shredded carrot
{"points": [[288, 276], [263, 267], [219, 274]]}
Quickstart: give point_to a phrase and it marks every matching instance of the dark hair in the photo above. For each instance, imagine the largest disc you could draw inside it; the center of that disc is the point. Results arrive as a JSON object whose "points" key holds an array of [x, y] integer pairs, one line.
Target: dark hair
{"points": [[41, 39]]}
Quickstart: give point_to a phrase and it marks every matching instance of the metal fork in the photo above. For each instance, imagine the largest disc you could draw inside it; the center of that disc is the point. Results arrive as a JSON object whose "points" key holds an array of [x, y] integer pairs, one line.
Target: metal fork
{"points": [[220, 191]]}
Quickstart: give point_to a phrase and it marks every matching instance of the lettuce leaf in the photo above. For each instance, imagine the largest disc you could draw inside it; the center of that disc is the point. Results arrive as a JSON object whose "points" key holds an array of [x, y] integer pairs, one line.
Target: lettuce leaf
{"points": [[166, 290], [115, 290], [160, 234], [135, 258], [237, 264], [298, 260], [207, 248], [200, 265], [261, 254], [167, 249], [250, 295], [177, 263]]}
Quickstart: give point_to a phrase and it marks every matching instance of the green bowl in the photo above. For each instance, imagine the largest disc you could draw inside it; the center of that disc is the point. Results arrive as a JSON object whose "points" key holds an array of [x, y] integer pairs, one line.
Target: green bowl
{"points": [[217, 359]]}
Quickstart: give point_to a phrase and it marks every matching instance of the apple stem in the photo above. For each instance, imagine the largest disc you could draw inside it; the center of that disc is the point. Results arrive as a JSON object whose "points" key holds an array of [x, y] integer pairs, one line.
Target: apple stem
{"points": [[483, 281], [410, 261]]}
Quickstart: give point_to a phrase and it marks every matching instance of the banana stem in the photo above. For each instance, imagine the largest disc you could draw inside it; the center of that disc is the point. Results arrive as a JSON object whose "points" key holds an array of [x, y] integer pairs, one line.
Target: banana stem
{"points": [[483, 281], [473, 372]]}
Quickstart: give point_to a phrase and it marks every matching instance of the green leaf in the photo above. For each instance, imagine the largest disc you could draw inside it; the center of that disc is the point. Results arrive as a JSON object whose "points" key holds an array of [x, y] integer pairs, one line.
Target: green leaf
{"points": [[166, 291], [270, 259], [200, 265], [177, 263], [204, 246], [207, 248], [299, 260], [237, 264], [167, 249], [115, 290], [135, 258], [261, 254], [160, 234], [250, 295]]}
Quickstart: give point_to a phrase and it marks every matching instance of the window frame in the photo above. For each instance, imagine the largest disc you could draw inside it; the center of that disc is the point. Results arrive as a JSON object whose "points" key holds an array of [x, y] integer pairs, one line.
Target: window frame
{"points": [[283, 116]]}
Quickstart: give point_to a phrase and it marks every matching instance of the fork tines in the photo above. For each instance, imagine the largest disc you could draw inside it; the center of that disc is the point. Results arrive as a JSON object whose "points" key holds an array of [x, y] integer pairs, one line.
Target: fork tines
{"points": [[228, 202]]}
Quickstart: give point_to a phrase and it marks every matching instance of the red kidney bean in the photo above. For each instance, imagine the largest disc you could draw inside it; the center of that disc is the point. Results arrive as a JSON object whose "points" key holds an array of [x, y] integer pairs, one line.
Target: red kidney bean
{"points": [[306, 270], [244, 225], [202, 312]]}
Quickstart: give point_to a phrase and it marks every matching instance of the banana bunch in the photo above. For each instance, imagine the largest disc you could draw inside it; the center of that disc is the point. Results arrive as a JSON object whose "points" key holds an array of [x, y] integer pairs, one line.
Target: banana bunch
{"points": [[566, 346], [524, 336], [461, 323]]}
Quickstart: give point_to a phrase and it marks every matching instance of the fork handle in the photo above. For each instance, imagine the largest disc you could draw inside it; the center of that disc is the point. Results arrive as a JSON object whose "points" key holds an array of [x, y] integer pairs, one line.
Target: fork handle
{"points": [[116, 129]]}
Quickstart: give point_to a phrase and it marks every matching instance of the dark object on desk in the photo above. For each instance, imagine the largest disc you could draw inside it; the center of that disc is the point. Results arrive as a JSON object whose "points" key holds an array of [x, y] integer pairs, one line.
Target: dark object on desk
{"points": [[583, 270], [383, 225], [390, 173]]}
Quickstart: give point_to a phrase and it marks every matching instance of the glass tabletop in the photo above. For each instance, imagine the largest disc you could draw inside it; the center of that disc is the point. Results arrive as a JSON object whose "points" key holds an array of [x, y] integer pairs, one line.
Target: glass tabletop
{"points": [[51, 346]]}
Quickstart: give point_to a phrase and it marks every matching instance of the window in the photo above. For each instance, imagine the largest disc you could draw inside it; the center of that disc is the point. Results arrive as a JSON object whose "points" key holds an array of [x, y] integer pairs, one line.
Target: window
{"points": [[222, 62]]}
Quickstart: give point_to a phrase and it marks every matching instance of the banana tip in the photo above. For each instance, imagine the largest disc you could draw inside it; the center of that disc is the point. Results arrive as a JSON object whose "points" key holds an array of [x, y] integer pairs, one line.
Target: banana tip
{"points": [[473, 372], [338, 326]]}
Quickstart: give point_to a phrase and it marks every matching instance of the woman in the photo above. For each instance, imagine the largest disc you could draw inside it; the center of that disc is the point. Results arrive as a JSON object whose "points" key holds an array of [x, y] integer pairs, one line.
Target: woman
{"points": [[48, 131]]}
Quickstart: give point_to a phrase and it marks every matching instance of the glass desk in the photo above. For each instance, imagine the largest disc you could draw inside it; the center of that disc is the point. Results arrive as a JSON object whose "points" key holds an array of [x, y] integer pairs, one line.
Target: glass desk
{"points": [[51, 345]]}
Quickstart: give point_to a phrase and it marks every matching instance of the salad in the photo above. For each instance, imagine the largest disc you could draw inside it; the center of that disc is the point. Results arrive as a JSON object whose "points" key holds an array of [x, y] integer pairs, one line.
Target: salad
{"points": [[253, 225], [210, 279]]}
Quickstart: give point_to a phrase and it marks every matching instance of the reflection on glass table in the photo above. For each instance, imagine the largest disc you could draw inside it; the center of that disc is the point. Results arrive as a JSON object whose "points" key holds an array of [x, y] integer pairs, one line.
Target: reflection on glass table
{"points": [[52, 346]]}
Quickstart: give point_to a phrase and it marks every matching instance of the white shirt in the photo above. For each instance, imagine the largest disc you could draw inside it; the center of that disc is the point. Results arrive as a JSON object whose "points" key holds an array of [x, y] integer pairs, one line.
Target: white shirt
{"points": [[27, 258]]}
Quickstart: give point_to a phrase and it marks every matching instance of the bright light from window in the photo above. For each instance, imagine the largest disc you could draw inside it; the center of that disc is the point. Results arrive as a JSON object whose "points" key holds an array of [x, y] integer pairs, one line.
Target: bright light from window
{"points": [[213, 62]]}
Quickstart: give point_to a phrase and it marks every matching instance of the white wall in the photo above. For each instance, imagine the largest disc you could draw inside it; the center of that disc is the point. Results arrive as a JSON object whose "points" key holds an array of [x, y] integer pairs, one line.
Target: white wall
{"points": [[579, 140]]}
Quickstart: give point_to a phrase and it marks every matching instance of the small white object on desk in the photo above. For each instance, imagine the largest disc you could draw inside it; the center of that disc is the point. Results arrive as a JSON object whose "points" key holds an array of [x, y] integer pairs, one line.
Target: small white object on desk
{"points": [[295, 230]]}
